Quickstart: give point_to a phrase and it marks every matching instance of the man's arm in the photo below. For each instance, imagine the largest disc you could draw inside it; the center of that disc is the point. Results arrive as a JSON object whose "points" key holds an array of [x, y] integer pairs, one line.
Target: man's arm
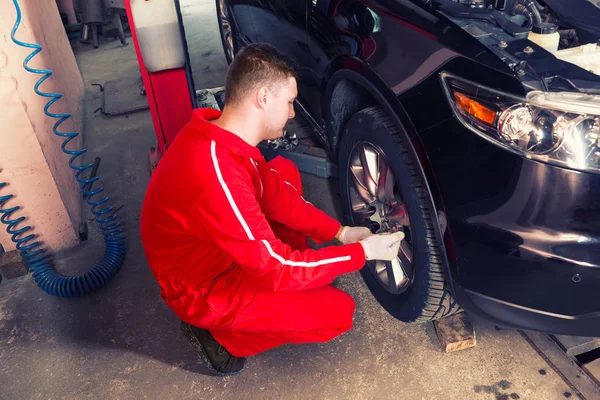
{"points": [[229, 213], [282, 203]]}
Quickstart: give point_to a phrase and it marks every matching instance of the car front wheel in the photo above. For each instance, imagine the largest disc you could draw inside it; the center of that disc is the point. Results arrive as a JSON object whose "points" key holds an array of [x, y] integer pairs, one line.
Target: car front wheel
{"points": [[380, 188]]}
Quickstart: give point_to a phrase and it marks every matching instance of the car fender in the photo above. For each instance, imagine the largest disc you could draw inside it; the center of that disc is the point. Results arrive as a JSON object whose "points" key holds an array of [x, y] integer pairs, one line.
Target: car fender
{"points": [[360, 73]]}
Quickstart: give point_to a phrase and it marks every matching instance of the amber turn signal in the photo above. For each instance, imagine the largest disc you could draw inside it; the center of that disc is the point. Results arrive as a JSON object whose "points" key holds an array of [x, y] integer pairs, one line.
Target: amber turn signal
{"points": [[475, 109]]}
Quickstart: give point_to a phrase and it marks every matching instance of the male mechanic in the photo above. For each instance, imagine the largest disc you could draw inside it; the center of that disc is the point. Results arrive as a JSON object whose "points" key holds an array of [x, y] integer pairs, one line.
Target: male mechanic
{"points": [[225, 232]]}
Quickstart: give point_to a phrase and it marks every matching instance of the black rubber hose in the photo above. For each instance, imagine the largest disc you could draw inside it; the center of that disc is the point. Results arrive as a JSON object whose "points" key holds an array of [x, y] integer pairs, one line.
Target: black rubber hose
{"points": [[520, 9], [532, 9]]}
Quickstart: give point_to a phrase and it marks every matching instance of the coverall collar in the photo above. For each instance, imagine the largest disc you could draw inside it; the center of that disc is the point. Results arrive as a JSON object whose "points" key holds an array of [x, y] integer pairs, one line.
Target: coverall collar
{"points": [[201, 118]]}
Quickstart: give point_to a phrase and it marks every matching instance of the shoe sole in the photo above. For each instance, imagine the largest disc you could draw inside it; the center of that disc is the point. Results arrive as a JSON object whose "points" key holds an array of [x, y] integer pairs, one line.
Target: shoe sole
{"points": [[187, 332]]}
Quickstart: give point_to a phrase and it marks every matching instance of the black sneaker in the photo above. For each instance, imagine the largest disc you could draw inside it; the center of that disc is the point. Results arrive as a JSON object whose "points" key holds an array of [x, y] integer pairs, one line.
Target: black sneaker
{"points": [[216, 357]]}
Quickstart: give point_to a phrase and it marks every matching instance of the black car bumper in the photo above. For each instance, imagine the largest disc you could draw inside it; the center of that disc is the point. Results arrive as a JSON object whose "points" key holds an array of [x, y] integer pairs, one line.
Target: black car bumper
{"points": [[516, 316], [525, 235]]}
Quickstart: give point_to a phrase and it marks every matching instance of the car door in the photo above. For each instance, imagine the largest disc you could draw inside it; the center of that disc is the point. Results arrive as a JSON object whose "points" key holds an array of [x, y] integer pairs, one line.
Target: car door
{"points": [[282, 24]]}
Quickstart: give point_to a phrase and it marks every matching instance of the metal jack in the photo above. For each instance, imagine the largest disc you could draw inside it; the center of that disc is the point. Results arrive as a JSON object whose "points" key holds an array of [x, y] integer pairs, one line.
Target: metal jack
{"points": [[287, 142]]}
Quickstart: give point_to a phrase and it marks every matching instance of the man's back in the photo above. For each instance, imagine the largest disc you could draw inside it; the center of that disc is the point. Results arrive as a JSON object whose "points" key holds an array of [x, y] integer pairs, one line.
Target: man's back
{"points": [[179, 250]]}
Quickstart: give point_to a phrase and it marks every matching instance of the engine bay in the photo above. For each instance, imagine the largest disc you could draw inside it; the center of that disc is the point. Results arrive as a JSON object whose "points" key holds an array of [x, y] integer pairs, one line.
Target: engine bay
{"points": [[569, 30]]}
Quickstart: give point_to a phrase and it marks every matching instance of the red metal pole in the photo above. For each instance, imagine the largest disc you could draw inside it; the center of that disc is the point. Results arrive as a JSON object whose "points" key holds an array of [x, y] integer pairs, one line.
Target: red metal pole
{"points": [[168, 95]]}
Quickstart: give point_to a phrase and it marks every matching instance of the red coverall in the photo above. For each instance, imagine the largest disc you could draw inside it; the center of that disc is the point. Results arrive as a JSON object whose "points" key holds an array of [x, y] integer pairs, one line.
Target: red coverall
{"points": [[225, 236]]}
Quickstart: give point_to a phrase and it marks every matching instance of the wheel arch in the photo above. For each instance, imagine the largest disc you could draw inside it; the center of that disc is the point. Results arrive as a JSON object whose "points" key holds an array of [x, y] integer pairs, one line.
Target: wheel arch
{"points": [[351, 85]]}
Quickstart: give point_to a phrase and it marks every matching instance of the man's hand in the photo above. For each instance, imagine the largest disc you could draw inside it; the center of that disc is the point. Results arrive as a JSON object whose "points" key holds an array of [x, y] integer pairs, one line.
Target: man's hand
{"points": [[384, 246], [352, 234]]}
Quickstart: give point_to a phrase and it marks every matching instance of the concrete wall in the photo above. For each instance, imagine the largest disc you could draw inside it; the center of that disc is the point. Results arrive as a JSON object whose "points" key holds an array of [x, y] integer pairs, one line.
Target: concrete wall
{"points": [[31, 160]]}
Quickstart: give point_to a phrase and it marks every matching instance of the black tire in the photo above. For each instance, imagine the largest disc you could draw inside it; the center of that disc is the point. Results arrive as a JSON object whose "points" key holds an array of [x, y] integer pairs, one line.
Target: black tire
{"points": [[428, 298], [234, 31]]}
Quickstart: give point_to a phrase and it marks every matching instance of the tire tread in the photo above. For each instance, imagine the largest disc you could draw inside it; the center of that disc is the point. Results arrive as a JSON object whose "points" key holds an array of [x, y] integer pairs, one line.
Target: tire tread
{"points": [[439, 302]]}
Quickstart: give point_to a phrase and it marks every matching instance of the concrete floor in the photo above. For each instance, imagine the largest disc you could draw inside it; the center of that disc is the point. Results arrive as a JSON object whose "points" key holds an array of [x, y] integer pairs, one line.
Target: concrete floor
{"points": [[124, 343]]}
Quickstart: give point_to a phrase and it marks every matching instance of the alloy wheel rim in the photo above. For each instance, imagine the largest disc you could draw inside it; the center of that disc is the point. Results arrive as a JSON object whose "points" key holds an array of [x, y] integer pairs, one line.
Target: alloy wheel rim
{"points": [[226, 28], [377, 204]]}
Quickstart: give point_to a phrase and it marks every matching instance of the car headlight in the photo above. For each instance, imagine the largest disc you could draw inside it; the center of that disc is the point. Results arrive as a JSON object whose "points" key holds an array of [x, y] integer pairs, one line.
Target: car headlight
{"points": [[557, 128]]}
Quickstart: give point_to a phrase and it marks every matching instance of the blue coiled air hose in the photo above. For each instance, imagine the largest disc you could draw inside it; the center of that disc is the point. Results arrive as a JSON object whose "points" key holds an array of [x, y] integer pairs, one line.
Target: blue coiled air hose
{"points": [[33, 253]]}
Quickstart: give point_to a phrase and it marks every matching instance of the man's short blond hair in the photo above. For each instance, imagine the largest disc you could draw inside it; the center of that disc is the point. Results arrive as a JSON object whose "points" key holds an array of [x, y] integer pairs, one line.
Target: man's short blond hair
{"points": [[256, 65]]}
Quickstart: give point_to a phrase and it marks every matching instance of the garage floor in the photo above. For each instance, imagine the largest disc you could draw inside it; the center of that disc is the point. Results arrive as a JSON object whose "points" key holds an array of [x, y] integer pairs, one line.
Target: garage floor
{"points": [[124, 343]]}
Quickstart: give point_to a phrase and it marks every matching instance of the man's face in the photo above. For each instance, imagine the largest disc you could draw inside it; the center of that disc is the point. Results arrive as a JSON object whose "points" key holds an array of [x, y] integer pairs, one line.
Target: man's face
{"points": [[279, 109]]}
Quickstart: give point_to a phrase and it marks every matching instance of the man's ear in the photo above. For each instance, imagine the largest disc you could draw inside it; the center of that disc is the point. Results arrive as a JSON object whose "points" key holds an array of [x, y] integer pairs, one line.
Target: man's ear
{"points": [[261, 97]]}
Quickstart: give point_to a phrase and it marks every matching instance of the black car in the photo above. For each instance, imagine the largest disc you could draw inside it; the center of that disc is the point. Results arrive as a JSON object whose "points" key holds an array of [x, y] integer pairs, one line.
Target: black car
{"points": [[471, 125]]}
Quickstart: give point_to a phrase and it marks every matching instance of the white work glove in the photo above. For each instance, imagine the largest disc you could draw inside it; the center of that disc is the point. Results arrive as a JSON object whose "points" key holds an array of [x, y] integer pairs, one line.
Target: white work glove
{"points": [[384, 246], [353, 234]]}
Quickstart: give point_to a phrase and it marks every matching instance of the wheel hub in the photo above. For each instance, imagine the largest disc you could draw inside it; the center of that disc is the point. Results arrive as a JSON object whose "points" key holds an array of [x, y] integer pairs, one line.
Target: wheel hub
{"points": [[376, 203], [390, 217]]}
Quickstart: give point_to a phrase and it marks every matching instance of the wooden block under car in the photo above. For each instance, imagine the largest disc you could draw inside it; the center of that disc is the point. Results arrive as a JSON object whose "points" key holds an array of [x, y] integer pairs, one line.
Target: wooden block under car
{"points": [[455, 333], [576, 345]]}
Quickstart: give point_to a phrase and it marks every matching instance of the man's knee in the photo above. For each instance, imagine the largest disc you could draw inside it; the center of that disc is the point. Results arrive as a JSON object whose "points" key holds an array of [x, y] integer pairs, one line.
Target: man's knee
{"points": [[340, 307], [343, 314], [346, 307], [288, 171]]}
